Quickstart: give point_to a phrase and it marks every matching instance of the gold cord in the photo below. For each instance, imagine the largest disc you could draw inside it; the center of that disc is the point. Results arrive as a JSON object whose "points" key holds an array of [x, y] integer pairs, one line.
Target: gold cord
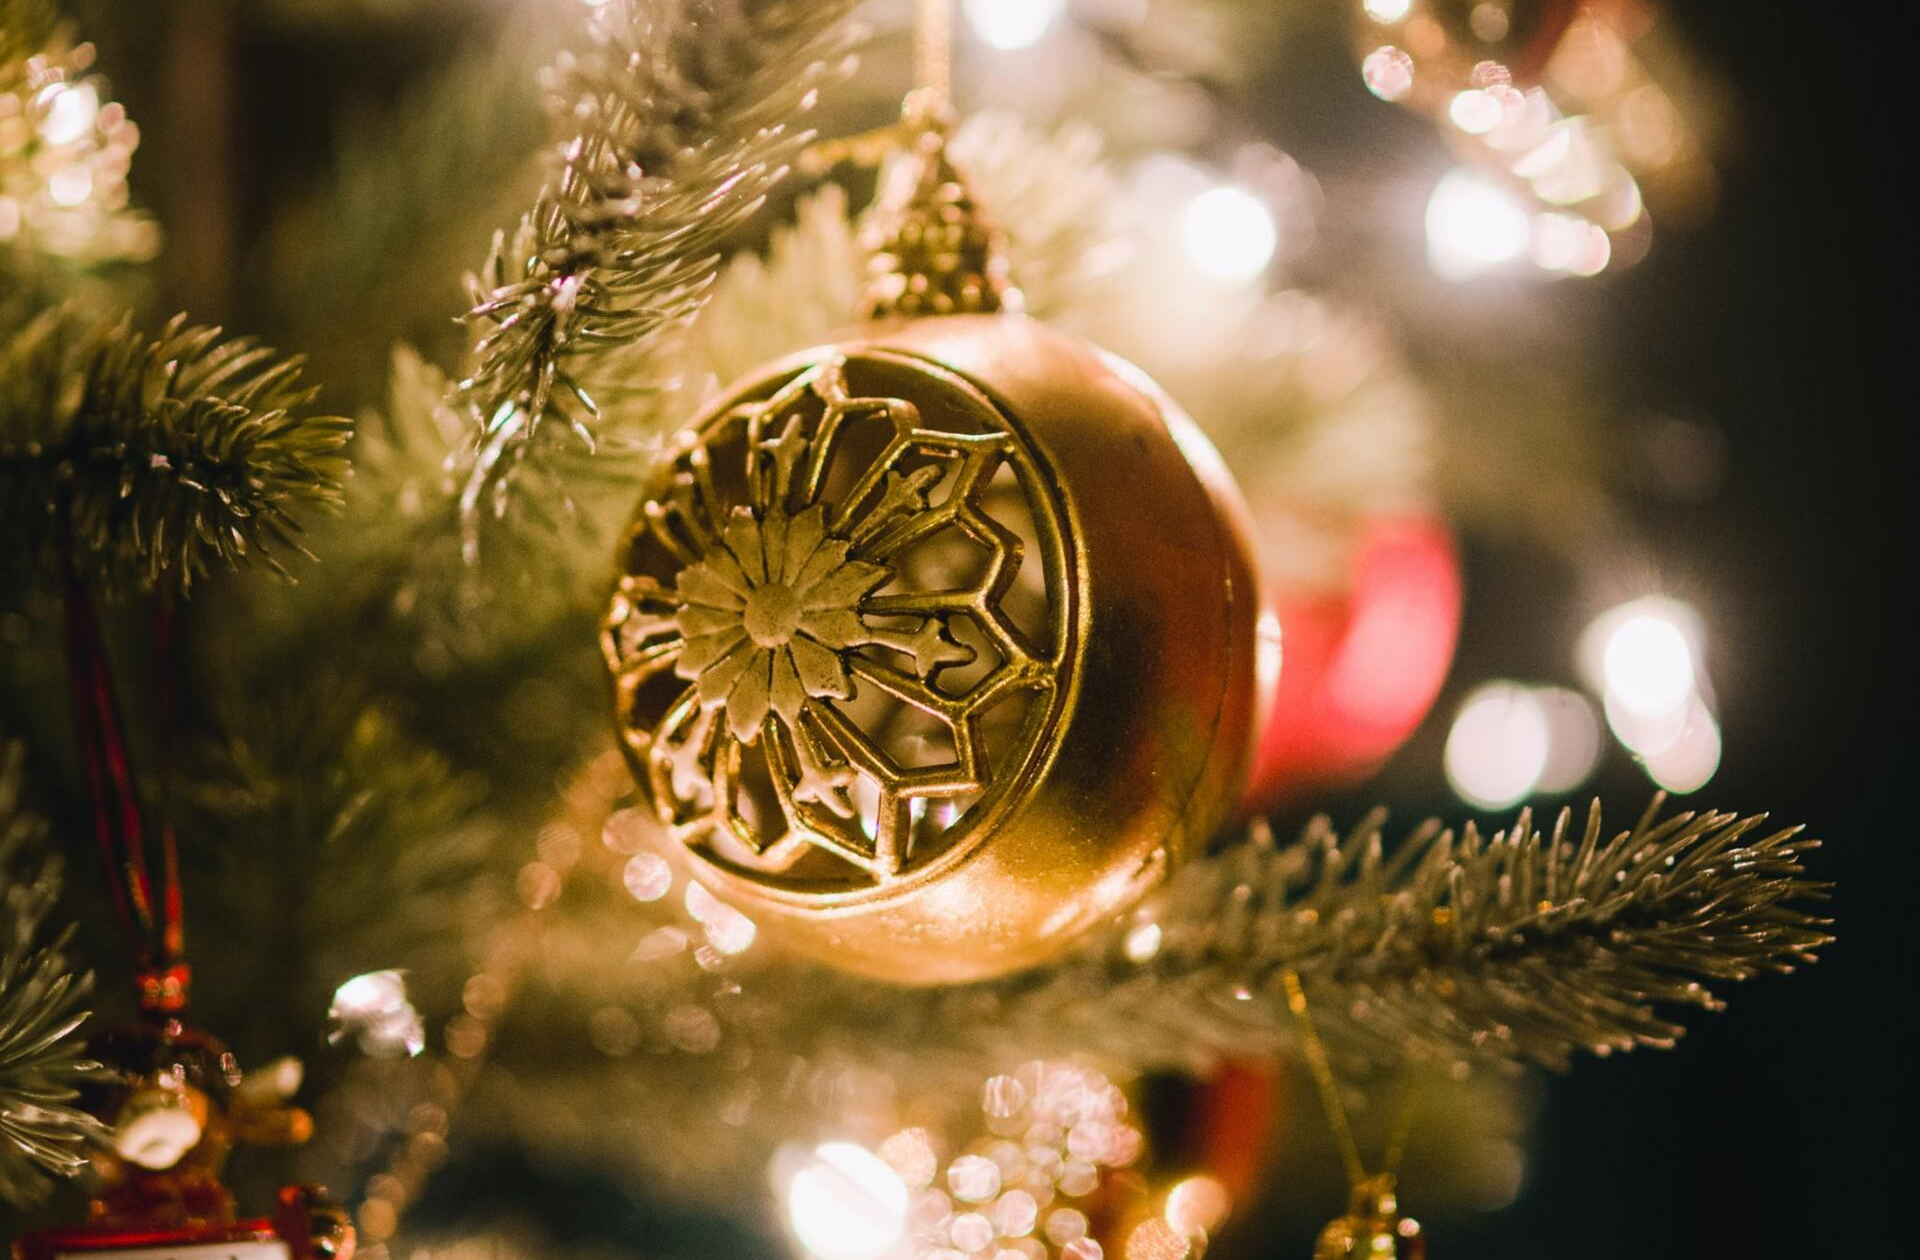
{"points": [[1315, 1052], [933, 48]]}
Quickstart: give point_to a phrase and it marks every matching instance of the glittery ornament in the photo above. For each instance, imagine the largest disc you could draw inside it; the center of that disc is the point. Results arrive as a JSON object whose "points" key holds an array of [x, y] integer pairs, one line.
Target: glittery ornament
{"points": [[935, 646], [1373, 1228]]}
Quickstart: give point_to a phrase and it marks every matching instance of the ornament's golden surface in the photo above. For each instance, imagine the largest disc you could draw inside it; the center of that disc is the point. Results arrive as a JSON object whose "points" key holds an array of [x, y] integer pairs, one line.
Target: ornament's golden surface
{"points": [[1373, 1228], [933, 648]]}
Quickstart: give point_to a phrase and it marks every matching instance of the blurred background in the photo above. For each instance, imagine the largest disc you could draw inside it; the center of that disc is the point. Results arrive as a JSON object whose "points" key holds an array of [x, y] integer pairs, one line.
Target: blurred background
{"points": [[1605, 449]]}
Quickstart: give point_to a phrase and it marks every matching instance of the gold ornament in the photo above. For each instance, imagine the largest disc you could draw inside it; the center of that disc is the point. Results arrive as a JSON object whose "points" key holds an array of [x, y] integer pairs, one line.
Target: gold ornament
{"points": [[1373, 1228], [935, 646]]}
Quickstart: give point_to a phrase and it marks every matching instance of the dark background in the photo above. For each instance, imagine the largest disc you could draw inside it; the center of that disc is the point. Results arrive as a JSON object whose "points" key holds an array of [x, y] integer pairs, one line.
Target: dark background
{"points": [[1773, 1130]]}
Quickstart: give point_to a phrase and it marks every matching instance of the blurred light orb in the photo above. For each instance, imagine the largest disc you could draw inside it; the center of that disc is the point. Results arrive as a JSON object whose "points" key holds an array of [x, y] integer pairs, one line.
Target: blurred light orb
{"points": [[647, 877], [1009, 25], [1387, 12], [1197, 1206], [1229, 233], [1388, 72], [1573, 739], [1473, 226], [1476, 111], [70, 185], [1690, 761], [70, 114], [845, 1203], [1142, 942], [1648, 663], [1571, 244], [376, 1012], [1497, 750]]}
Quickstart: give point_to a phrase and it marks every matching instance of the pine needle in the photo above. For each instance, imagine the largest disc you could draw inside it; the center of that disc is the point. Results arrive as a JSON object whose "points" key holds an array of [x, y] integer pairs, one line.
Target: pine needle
{"points": [[155, 460], [684, 117], [1523, 946], [42, 1134]]}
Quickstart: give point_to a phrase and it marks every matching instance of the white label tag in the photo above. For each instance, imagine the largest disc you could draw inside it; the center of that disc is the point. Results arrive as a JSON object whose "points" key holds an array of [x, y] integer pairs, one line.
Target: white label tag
{"points": [[188, 1251]]}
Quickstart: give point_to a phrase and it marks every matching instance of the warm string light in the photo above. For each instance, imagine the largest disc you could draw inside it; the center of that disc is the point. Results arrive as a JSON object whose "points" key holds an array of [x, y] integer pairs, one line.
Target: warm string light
{"points": [[1010, 25], [1510, 741], [1556, 132], [64, 157], [1645, 659], [1229, 233], [1026, 1190]]}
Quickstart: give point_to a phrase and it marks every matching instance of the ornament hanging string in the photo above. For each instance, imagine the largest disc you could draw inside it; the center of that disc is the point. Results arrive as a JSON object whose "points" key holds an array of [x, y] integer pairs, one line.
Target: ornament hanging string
{"points": [[153, 921], [1318, 1066], [933, 48]]}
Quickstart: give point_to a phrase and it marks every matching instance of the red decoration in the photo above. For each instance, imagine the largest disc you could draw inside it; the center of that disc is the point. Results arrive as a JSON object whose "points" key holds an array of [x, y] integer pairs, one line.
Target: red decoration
{"points": [[1361, 666]]}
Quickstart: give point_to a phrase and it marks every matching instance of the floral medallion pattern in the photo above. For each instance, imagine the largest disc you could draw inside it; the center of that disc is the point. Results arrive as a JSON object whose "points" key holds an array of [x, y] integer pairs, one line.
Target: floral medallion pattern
{"points": [[794, 678]]}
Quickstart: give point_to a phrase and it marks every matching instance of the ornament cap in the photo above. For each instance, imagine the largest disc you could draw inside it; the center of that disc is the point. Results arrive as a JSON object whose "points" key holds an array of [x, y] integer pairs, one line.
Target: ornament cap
{"points": [[1373, 1228], [934, 250]]}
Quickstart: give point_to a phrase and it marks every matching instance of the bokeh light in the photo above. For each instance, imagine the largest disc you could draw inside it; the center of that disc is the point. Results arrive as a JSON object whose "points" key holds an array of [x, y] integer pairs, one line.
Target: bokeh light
{"points": [[1229, 233], [845, 1203], [1387, 12], [1197, 1206], [1647, 659], [71, 113], [1690, 760], [1388, 72], [1473, 226], [1648, 663], [1012, 24], [376, 1012], [1573, 739], [1498, 747]]}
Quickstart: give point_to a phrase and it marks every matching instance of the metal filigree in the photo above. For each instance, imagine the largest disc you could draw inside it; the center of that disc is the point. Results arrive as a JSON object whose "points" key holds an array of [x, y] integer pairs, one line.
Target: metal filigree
{"points": [[829, 638]]}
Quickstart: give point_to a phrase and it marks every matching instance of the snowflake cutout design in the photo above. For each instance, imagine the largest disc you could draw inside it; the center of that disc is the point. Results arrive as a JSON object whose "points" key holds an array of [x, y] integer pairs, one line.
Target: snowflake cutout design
{"points": [[767, 581]]}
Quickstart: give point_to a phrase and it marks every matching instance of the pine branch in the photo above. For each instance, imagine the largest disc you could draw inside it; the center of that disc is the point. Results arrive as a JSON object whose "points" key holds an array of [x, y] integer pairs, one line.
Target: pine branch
{"points": [[41, 1132], [328, 843], [684, 111], [158, 459], [1520, 946]]}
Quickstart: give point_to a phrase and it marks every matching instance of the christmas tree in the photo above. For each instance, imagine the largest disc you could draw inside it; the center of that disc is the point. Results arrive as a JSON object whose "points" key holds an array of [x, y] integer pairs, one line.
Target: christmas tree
{"points": [[913, 844]]}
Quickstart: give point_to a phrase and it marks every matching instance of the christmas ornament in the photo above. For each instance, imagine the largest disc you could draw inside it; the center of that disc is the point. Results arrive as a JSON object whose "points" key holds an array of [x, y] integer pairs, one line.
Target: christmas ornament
{"points": [[175, 1102], [1373, 1228], [175, 1112], [935, 645], [1364, 662]]}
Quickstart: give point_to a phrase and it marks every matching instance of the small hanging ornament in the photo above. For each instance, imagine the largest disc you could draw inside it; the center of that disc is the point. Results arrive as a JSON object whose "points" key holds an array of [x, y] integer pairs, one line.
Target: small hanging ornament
{"points": [[1373, 1228], [173, 1102], [934, 646]]}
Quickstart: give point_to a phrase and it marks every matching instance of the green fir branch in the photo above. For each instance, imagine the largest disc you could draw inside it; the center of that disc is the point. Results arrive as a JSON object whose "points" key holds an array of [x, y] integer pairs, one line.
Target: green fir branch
{"points": [[1522, 945], [328, 843], [42, 1134], [684, 112], [1449, 948], [155, 460]]}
